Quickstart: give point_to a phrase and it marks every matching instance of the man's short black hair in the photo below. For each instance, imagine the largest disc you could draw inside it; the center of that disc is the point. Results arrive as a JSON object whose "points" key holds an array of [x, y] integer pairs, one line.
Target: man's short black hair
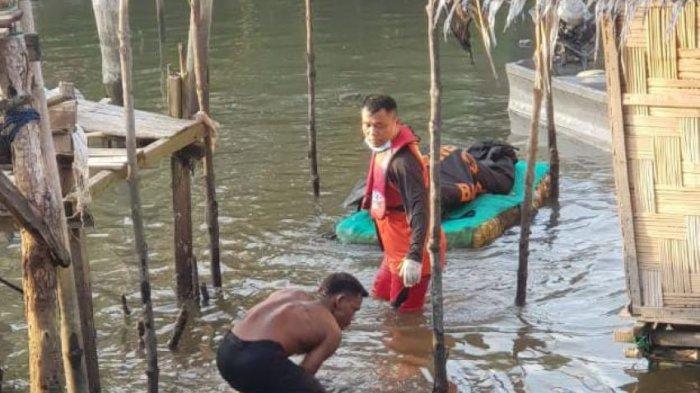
{"points": [[376, 102], [342, 283]]}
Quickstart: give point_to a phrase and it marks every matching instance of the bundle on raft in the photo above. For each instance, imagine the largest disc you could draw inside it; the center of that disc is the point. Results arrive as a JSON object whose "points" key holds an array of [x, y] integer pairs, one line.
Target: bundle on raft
{"points": [[471, 225]]}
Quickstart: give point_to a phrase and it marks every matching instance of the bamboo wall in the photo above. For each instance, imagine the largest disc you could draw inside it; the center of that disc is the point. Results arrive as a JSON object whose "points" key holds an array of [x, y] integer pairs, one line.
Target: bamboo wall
{"points": [[661, 109]]}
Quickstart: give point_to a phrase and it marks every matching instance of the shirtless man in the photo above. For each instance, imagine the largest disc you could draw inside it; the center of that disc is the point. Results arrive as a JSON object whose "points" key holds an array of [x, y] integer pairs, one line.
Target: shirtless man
{"points": [[253, 357]]}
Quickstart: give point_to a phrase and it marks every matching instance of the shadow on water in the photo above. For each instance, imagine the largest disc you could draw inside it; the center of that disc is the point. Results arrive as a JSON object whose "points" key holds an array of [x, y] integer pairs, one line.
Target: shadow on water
{"points": [[271, 227]]}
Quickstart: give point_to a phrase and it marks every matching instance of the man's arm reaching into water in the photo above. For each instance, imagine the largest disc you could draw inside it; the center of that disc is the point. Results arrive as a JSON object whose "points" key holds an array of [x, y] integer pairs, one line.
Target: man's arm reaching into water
{"points": [[313, 360]]}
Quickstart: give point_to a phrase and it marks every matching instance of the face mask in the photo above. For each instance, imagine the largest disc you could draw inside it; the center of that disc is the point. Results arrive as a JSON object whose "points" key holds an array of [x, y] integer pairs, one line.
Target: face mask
{"points": [[379, 149]]}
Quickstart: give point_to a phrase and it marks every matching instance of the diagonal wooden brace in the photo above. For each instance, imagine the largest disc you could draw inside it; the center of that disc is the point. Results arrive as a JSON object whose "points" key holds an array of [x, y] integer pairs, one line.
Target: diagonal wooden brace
{"points": [[19, 207]]}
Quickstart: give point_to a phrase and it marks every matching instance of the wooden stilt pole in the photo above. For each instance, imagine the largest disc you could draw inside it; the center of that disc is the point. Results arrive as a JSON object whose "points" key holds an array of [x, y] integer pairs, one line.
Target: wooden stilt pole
{"points": [[160, 21], [613, 73], [55, 216], [181, 169], [200, 70], [39, 271], [311, 78], [82, 279], [526, 207], [81, 272], [440, 380], [133, 181], [106, 18], [190, 104], [551, 24], [553, 149]]}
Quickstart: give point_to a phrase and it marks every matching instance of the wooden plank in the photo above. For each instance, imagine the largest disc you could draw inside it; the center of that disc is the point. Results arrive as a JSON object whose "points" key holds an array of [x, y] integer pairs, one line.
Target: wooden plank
{"points": [[63, 116], [165, 147], [103, 179], [617, 126], [115, 163], [108, 120], [18, 206]]}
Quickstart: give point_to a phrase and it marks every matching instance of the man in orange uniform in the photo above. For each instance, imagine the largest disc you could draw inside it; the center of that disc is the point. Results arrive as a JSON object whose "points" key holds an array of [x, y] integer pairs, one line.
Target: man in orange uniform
{"points": [[397, 197]]}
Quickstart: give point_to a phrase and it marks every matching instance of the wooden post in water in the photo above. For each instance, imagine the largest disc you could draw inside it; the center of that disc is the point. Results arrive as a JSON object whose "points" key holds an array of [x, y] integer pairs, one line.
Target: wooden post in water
{"points": [[526, 206], [133, 181], [190, 104], [181, 169], [106, 18], [160, 22], [551, 24], [81, 270], [55, 216], [311, 78], [200, 70], [39, 271], [440, 356]]}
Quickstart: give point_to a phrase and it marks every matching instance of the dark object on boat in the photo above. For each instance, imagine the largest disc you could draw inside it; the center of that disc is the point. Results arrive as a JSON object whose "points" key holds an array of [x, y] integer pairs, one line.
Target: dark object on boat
{"points": [[496, 161]]}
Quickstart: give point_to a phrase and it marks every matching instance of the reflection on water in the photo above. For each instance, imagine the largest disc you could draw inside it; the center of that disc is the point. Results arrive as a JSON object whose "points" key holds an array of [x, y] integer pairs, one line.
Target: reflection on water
{"points": [[271, 229]]}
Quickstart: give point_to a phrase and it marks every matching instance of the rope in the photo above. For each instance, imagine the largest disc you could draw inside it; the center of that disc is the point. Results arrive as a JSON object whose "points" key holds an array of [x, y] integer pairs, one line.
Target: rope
{"points": [[15, 119]]}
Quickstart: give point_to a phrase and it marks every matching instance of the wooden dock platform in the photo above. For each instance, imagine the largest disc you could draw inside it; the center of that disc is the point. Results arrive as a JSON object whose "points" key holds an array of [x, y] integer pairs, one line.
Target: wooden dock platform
{"points": [[159, 136]]}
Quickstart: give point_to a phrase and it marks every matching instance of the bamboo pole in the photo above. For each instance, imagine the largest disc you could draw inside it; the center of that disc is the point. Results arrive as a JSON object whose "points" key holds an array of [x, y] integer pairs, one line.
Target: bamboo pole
{"points": [[620, 168], [190, 104], [552, 25], [39, 272], [133, 181], [553, 149], [311, 78], [106, 18], [440, 358], [81, 270], [526, 206], [71, 335], [199, 47], [160, 21]]}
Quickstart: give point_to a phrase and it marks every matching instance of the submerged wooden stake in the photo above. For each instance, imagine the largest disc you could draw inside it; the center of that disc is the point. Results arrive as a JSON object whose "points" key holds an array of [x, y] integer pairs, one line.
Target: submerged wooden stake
{"points": [[106, 19], [440, 360], [526, 206], [178, 329], [311, 79], [133, 181], [125, 306], [200, 70]]}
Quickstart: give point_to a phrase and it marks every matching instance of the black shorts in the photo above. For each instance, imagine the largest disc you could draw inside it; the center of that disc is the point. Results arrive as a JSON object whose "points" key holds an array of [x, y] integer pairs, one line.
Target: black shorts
{"points": [[262, 367]]}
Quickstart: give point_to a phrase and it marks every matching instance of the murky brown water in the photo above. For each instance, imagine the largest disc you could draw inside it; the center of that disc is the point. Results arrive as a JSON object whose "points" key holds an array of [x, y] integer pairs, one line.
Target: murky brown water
{"points": [[272, 231]]}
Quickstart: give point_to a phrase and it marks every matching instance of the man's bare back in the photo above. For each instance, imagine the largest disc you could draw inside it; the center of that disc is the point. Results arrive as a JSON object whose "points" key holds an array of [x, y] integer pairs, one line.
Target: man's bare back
{"points": [[292, 318], [253, 355]]}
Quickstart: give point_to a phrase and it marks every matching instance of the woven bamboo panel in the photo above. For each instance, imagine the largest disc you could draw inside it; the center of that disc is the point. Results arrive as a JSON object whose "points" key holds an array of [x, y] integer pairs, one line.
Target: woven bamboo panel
{"points": [[661, 108]]}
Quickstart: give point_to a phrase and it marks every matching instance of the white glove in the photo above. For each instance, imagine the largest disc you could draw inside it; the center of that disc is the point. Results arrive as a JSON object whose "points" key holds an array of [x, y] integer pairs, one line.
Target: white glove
{"points": [[410, 271]]}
